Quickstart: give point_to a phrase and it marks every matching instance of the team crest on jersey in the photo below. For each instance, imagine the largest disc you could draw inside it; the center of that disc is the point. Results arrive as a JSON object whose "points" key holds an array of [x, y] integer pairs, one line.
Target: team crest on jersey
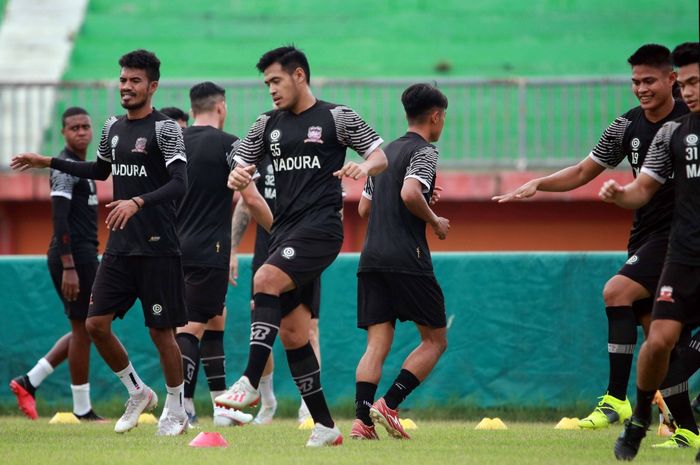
{"points": [[691, 140], [632, 260], [665, 294], [275, 135], [115, 141], [288, 253], [140, 146], [314, 135], [635, 143], [157, 309]]}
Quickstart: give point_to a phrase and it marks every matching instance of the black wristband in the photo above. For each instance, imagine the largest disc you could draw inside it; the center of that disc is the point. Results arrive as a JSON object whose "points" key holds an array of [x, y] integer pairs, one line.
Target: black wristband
{"points": [[137, 204], [68, 268]]}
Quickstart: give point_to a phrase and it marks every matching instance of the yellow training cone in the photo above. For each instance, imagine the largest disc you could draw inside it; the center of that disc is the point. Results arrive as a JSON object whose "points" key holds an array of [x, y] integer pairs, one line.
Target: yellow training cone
{"points": [[568, 423], [147, 419], [64, 418], [407, 423], [497, 423], [307, 424]]}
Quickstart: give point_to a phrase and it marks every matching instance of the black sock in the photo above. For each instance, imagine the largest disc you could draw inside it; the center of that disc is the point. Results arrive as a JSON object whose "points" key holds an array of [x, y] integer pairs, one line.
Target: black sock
{"points": [[306, 372], [685, 360], [403, 385], [189, 350], [643, 408], [622, 339], [211, 352], [364, 398], [263, 331]]}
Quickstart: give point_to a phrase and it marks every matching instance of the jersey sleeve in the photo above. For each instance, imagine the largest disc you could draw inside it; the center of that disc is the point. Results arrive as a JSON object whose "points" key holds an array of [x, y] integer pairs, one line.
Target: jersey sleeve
{"points": [[353, 132], [422, 166], [170, 141], [104, 149], [231, 153], [369, 188], [251, 150], [658, 163], [62, 184], [609, 151]]}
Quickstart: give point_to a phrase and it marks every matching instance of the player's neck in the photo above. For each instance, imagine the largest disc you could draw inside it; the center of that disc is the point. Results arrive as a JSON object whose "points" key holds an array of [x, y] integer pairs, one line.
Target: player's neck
{"points": [[78, 153], [207, 119], [306, 101], [421, 131], [660, 113], [141, 112]]}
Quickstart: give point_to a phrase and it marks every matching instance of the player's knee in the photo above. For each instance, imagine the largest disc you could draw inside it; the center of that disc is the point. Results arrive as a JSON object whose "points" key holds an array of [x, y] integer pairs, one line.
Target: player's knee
{"points": [[97, 329], [437, 344], [293, 338], [263, 281], [659, 344], [613, 295]]}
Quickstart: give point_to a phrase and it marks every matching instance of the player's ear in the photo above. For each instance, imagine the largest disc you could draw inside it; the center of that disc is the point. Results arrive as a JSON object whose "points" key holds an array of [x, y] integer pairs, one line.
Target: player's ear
{"points": [[152, 86]]}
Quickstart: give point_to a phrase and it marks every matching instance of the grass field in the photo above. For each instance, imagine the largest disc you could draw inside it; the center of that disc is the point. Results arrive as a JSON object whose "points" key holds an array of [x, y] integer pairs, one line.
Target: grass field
{"points": [[434, 442]]}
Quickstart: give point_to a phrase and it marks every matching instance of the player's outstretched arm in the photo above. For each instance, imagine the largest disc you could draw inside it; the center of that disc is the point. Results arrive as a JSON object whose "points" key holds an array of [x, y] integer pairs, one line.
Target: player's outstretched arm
{"points": [[412, 197], [374, 164], [99, 169], [563, 180], [28, 160], [257, 206], [633, 195]]}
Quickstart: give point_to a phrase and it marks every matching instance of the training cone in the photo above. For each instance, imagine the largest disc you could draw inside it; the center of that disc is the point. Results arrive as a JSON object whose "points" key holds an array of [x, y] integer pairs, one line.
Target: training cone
{"points": [[497, 423], [64, 418], [147, 419], [307, 424], [568, 423], [205, 439], [491, 424], [407, 423]]}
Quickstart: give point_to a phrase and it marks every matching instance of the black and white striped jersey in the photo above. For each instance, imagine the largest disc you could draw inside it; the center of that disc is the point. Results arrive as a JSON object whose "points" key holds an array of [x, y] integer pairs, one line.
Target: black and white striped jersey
{"points": [[629, 136], [674, 155], [82, 217], [305, 150], [140, 152], [204, 214], [395, 240]]}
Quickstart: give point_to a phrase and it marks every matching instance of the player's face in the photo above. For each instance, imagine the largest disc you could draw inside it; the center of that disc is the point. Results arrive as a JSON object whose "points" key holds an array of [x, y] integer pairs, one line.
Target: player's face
{"points": [[689, 82], [135, 89], [283, 87], [652, 86], [77, 132]]}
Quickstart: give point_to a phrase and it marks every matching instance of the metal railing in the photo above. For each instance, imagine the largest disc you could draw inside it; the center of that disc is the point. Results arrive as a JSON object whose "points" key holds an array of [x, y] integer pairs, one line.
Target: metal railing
{"points": [[491, 124]]}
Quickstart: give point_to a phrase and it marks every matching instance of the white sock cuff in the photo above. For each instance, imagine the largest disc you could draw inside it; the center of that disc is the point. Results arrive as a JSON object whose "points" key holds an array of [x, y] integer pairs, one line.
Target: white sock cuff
{"points": [[45, 365], [176, 389], [126, 370], [80, 387]]}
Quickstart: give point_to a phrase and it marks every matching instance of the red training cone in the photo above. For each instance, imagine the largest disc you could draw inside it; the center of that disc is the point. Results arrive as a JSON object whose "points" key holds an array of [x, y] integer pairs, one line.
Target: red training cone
{"points": [[205, 439]]}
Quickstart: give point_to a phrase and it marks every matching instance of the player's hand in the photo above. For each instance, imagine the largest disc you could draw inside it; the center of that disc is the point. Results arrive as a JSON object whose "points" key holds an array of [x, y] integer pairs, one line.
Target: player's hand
{"points": [[352, 170], [435, 198], [24, 161], [233, 269], [441, 227], [240, 177], [610, 190], [70, 285], [525, 191], [122, 210]]}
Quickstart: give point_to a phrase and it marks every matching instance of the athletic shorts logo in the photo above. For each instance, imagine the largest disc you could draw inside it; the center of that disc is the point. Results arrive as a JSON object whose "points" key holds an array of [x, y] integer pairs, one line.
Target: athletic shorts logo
{"points": [[115, 141], [691, 140], [314, 135], [665, 294], [157, 309], [288, 253], [140, 146], [275, 135], [635, 143], [632, 260]]}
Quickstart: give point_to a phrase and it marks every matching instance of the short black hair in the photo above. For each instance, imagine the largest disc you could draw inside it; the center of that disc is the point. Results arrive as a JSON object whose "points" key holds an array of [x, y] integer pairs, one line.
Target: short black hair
{"points": [[205, 95], [419, 99], [289, 57], [142, 59], [686, 54], [175, 113], [72, 111], [654, 55]]}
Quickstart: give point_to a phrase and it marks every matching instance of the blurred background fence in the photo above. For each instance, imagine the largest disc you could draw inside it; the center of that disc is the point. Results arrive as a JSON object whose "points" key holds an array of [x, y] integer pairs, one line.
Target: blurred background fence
{"points": [[525, 123]]}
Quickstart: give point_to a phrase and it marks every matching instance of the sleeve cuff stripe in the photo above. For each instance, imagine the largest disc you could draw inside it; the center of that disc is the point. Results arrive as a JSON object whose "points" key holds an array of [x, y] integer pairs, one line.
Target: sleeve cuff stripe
{"points": [[600, 162], [653, 175], [61, 194], [373, 147], [366, 195], [176, 157], [425, 183]]}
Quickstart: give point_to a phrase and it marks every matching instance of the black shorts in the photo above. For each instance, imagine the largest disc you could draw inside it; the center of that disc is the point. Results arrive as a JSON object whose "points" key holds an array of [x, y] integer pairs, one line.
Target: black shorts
{"points": [[157, 282], [645, 264], [385, 297], [77, 310], [205, 292], [678, 296], [305, 253]]}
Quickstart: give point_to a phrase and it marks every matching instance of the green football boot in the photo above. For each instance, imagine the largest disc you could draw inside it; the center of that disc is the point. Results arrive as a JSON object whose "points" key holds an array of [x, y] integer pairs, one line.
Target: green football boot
{"points": [[609, 410], [681, 439]]}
